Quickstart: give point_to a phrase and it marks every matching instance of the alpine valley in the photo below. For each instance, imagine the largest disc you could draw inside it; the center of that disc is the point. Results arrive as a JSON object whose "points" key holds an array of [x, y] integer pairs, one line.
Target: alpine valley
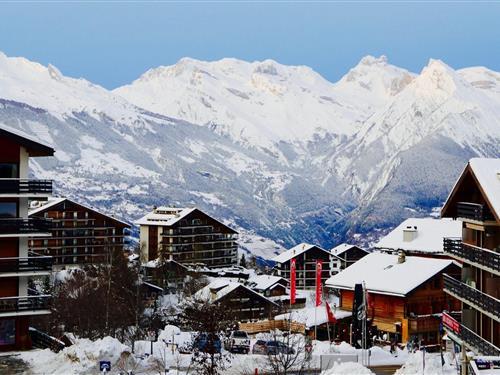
{"points": [[277, 151]]}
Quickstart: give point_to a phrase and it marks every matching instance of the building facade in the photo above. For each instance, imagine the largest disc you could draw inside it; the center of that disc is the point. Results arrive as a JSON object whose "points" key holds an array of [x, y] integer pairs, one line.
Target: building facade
{"points": [[80, 235], [475, 201], [405, 294], [348, 254], [306, 256], [17, 264], [187, 236]]}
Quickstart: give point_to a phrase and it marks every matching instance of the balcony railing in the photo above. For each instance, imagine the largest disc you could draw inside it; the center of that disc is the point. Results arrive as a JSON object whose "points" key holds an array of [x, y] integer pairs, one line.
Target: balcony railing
{"points": [[17, 186], [24, 226], [24, 303], [477, 343], [487, 259], [35, 263], [474, 211], [473, 297]]}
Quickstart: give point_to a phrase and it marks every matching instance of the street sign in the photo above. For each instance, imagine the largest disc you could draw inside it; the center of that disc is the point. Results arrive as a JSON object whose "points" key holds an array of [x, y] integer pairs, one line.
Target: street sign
{"points": [[105, 366]]}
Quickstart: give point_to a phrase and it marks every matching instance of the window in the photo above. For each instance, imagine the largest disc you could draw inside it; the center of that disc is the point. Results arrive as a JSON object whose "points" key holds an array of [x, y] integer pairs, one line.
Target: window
{"points": [[8, 170], [8, 209]]}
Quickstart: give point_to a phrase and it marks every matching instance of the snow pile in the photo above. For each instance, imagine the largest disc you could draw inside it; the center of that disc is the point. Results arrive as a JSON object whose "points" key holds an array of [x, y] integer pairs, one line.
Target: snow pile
{"points": [[415, 365], [83, 356], [348, 368]]}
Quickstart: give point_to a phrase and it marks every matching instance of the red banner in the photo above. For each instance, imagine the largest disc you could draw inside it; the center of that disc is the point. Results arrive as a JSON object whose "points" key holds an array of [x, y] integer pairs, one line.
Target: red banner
{"points": [[329, 313], [319, 268], [292, 281], [451, 323]]}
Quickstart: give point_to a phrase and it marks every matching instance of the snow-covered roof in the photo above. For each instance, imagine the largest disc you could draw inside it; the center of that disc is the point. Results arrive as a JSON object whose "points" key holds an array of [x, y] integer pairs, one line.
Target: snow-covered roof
{"points": [[264, 282], [296, 251], [384, 275], [343, 247], [426, 235], [33, 144], [220, 287], [53, 201], [168, 216], [487, 172]]}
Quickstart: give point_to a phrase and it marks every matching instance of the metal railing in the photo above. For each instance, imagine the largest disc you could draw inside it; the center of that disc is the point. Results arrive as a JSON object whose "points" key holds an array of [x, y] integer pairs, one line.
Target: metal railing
{"points": [[24, 303], [474, 297], [473, 211], [488, 259], [24, 226], [25, 186], [35, 263], [477, 343]]}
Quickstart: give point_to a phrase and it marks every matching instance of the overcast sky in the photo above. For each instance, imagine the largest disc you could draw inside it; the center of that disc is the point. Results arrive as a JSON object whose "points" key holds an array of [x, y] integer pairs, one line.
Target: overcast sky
{"points": [[113, 43]]}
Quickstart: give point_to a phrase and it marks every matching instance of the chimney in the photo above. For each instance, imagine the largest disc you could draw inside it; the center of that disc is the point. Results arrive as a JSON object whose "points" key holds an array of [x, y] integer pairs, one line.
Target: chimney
{"points": [[410, 233], [401, 257]]}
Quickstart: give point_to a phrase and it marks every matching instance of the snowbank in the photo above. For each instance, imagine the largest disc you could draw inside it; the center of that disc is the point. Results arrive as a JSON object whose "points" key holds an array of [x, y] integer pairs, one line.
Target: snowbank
{"points": [[415, 365], [348, 368], [83, 356]]}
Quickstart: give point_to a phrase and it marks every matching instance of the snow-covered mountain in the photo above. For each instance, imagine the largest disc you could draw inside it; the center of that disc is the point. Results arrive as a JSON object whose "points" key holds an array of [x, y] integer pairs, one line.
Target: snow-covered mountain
{"points": [[275, 150]]}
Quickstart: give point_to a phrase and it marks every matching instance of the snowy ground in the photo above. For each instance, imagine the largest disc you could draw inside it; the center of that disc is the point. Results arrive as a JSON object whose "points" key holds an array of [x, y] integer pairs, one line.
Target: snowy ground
{"points": [[84, 357]]}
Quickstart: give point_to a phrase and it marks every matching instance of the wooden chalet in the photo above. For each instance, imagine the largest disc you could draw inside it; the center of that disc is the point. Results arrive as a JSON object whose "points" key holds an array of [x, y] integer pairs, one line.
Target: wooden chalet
{"points": [[18, 266], [475, 202], [187, 236], [306, 256], [348, 254], [268, 285], [81, 235], [246, 304], [405, 294]]}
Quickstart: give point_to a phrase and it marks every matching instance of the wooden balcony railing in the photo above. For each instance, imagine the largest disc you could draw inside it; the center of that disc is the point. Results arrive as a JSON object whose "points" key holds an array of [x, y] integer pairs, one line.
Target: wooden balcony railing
{"points": [[34, 263], [487, 259], [17, 226], [18, 186], [474, 211], [472, 296], [24, 303]]}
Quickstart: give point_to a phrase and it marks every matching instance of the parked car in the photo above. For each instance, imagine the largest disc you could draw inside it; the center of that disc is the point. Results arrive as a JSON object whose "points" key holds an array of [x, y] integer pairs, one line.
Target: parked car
{"points": [[271, 347], [208, 343], [237, 342]]}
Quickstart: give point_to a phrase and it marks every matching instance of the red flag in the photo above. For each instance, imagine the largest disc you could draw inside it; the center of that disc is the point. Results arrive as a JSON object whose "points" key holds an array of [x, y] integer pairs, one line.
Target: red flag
{"points": [[329, 313], [292, 281], [319, 267]]}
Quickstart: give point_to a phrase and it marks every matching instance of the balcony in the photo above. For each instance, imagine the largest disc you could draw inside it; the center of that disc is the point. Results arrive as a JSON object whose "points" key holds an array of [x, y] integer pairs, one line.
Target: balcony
{"points": [[29, 266], [19, 227], [474, 211], [24, 305], [16, 187], [478, 300], [477, 256]]}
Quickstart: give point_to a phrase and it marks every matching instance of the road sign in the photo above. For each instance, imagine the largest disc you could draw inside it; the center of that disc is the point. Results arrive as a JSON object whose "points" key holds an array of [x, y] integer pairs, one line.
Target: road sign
{"points": [[105, 366]]}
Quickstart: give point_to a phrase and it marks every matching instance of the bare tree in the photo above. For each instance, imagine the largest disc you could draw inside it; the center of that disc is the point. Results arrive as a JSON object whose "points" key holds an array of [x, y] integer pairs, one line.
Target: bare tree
{"points": [[287, 354], [208, 320]]}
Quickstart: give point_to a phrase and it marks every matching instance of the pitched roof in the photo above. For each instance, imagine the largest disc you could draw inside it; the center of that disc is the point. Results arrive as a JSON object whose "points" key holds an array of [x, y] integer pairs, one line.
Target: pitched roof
{"points": [[264, 282], [221, 287], [168, 216], [34, 146], [343, 247], [51, 202], [429, 234], [383, 274], [487, 173], [296, 251]]}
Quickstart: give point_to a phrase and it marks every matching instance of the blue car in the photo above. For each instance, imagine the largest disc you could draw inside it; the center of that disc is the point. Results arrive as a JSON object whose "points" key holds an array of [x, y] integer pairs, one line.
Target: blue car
{"points": [[207, 343]]}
